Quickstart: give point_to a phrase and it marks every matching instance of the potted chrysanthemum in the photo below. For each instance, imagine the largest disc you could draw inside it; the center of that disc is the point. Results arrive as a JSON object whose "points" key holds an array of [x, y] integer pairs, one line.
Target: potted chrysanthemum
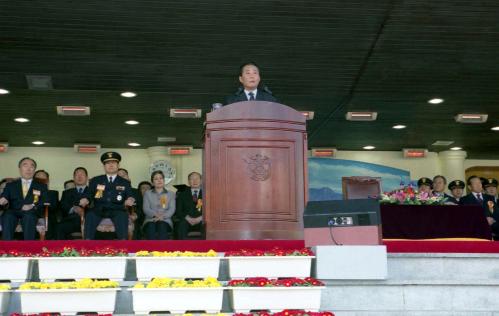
{"points": [[14, 265], [86, 295], [274, 263], [70, 263], [275, 294], [177, 295], [176, 264]]}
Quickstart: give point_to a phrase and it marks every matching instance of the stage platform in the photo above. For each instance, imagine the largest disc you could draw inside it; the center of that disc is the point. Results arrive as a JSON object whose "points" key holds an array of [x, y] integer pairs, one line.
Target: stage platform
{"points": [[437, 278]]}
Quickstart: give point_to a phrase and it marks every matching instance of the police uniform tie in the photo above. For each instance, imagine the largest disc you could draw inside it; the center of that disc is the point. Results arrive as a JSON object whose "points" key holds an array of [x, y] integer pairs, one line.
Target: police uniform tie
{"points": [[25, 189], [251, 96], [195, 196]]}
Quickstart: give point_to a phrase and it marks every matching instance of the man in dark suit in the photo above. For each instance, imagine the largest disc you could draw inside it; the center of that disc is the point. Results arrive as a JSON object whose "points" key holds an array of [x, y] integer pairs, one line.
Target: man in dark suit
{"points": [[43, 176], [456, 188], [25, 198], [251, 90], [108, 197], [476, 197], [189, 207], [71, 211]]}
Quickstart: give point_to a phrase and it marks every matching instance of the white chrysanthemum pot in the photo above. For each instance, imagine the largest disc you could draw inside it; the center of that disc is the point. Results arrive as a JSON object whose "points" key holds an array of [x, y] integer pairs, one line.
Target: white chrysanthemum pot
{"points": [[68, 301], [276, 299], [15, 269], [52, 268], [4, 300], [177, 300], [270, 266], [176, 267]]}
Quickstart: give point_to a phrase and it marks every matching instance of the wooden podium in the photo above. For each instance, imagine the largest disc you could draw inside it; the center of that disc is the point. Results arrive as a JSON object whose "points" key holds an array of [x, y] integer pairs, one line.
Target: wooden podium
{"points": [[255, 172]]}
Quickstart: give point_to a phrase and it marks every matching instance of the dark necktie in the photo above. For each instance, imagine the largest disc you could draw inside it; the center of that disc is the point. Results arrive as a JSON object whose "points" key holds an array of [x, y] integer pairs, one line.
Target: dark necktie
{"points": [[479, 197], [195, 196], [110, 179], [80, 190], [251, 96]]}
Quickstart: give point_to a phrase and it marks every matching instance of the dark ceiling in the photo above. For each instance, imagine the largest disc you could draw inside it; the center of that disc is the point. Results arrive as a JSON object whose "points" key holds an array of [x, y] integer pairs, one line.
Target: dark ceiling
{"points": [[326, 56]]}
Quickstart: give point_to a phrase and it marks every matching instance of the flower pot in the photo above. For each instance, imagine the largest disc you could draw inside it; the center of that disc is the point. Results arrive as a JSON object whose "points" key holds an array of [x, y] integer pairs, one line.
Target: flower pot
{"points": [[68, 302], [177, 300], [176, 267], [275, 299], [270, 266], [112, 268], [15, 269], [4, 300]]}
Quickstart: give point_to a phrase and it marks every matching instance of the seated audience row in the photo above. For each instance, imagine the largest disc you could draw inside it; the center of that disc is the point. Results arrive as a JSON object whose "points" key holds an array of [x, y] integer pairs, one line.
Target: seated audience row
{"points": [[157, 214]]}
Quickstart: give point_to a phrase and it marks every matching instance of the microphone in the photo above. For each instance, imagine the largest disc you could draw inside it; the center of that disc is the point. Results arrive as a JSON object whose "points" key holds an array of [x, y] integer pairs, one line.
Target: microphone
{"points": [[266, 89]]}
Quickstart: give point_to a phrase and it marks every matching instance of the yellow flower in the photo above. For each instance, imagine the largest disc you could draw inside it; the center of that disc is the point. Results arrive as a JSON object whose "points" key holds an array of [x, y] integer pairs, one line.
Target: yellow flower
{"points": [[180, 283], [144, 253], [82, 284], [4, 287]]}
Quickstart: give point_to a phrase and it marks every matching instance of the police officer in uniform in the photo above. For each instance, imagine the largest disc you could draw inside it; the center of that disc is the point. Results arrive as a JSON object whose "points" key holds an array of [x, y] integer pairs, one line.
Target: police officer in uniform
{"points": [[490, 187], [108, 197], [456, 189], [425, 185]]}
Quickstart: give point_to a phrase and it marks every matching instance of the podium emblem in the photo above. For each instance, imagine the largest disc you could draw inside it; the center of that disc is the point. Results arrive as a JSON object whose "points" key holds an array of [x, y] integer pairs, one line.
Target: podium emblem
{"points": [[259, 167]]}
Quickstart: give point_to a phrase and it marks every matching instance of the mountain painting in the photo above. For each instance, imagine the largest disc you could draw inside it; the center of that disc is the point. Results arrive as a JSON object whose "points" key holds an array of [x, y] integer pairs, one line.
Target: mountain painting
{"points": [[324, 176]]}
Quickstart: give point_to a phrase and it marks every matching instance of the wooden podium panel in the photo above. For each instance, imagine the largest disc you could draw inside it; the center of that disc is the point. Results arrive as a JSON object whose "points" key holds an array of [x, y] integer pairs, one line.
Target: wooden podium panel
{"points": [[255, 172]]}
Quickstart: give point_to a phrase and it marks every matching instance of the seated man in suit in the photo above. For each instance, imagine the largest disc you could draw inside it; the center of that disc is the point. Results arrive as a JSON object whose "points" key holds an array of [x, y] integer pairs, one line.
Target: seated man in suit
{"points": [[189, 206], [490, 187], [43, 176], [25, 198], [70, 208], [439, 183], [108, 197], [476, 197], [456, 189], [251, 90]]}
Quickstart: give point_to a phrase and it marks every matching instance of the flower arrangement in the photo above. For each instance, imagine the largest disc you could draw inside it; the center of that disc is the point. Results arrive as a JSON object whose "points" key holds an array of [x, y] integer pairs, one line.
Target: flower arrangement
{"points": [[73, 252], [265, 282], [287, 312], [273, 252], [14, 253], [409, 196], [82, 284], [145, 253], [178, 283], [4, 287]]}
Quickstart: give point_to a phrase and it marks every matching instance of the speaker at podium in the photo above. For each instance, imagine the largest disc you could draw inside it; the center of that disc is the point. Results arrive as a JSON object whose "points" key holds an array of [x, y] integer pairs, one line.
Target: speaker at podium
{"points": [[342, 222]]}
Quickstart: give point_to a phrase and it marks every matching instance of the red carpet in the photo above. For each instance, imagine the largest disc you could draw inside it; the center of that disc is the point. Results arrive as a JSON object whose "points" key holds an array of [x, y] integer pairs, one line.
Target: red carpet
{"points": [[447, 246], [169, 245], [408, 246]]}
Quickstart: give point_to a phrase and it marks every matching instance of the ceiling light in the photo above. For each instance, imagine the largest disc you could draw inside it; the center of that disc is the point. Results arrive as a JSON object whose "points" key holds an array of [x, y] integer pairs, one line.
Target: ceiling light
{"points": [[435, 101], [86, 148], [369, 147], [399, 126], [38, 142], [4, 91], [455, 148], [128, 94], [73, 110], [442, 143], [414, 152], [132, 122], [179, 150], [166, 139], [133, 144], [185, 113], [471, 118], [495, 128], [324, 152], [21, 120], [361, 116]]}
